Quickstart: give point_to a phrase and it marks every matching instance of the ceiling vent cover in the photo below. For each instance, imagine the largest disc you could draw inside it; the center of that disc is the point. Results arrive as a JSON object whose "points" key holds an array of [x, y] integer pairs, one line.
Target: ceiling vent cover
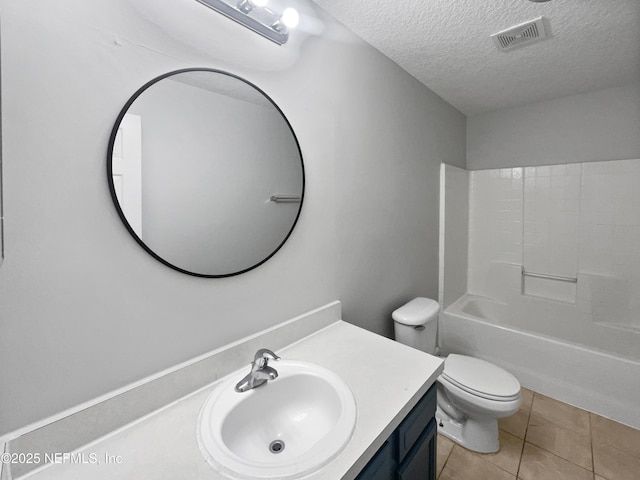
{"points": [[520, 35]]}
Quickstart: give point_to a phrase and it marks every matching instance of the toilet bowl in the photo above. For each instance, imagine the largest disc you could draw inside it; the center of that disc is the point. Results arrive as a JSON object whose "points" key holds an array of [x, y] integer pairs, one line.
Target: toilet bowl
{"points": [[472, 393]]}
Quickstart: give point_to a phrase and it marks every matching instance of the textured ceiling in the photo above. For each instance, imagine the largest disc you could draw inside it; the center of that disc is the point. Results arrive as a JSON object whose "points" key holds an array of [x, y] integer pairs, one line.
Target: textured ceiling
{"points": [[446, 45]]}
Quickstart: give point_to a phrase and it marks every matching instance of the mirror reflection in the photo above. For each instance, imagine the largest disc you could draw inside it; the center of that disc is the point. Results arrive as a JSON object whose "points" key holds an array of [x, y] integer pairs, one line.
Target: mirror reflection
{"points": [[206, 172]]}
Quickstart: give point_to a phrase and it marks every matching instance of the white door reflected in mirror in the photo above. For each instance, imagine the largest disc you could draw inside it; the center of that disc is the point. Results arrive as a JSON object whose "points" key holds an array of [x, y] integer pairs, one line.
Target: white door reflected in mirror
{"points": [[126, 169]]}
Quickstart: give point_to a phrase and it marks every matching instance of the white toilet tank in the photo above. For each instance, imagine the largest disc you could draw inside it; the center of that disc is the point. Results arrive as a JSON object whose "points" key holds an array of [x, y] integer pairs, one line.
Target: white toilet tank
{"points": [[416, 324]]}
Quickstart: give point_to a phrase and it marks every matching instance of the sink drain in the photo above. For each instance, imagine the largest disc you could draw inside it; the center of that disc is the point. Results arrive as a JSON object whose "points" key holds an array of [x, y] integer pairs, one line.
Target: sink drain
{"points": [[277, 446]]}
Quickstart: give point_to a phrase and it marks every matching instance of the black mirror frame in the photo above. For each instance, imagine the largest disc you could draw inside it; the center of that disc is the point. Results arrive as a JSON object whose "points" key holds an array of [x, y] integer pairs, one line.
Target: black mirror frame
{"points": [[114, 198]]}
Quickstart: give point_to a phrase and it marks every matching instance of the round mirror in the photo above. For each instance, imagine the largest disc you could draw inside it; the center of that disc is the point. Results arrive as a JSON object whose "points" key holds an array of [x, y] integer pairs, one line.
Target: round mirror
{"points": [[206, 172]]}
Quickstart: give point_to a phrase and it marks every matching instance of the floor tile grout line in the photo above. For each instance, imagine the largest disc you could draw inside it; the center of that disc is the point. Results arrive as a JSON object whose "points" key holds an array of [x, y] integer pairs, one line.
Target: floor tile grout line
{"points": [[481, 456], [614, 446], [588, 436], [561, 458], [498, 467], [445, 460], [444, 465], [552, 453], [524, 440], [593, 458]]}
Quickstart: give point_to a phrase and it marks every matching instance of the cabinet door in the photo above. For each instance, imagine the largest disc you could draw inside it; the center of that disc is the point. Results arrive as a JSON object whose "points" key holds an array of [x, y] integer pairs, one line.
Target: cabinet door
{"points": [[382, 466], [420, 462], [416, 422]]}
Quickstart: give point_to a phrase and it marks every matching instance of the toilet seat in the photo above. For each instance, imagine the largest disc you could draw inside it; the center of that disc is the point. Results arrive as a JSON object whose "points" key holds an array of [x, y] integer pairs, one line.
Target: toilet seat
{"points": [[480, 378]]}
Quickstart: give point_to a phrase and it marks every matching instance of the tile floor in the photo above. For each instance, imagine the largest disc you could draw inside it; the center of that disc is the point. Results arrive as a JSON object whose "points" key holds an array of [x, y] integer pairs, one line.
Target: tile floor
{"points": [[548, 440]]}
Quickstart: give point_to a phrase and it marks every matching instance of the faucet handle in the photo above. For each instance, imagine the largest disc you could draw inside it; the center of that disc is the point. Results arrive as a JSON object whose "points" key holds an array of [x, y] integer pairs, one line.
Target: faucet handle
{"points": [[263, 355]]}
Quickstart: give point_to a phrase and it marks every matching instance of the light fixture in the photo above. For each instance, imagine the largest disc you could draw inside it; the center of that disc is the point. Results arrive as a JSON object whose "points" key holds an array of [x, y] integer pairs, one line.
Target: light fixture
{"points": [[289, 19], [245, 6], [253, 15]]}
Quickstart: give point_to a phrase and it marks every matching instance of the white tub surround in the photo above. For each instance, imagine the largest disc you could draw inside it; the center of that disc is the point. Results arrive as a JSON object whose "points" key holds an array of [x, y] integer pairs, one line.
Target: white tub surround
{"points": [[387, 380], [545, 359], [574, 231]]}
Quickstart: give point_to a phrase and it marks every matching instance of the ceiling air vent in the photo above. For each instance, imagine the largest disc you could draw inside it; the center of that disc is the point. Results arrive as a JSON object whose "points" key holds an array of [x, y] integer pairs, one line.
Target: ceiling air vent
{"points": [[520, 35]]}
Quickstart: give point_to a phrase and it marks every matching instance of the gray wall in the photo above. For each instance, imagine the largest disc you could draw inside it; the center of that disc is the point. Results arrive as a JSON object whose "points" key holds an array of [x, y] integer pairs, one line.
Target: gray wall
{"points": [[83, 310], [601, 125], [391, 136]]}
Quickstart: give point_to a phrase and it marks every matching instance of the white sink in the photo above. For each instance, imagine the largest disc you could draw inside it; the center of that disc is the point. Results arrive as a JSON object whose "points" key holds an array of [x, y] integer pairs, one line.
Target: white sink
{"points": [[286, 428]]}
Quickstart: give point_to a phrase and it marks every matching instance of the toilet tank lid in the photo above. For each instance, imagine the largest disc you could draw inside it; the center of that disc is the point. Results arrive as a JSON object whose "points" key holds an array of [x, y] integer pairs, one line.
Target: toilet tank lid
{"points": [[417, 312]]}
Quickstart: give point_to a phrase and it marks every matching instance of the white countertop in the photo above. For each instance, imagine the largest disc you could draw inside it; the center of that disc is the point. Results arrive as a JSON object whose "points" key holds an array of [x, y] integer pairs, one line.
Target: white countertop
{"points": [[386, 378]]}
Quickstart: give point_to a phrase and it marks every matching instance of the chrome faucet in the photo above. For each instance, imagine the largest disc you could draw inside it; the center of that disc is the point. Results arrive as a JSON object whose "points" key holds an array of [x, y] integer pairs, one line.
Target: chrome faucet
{"points": [[260, 371]]}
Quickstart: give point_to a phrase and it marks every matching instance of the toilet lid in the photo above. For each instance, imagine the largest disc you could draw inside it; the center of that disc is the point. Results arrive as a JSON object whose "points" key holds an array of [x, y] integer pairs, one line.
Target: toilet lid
{"points": [[480, 378]]}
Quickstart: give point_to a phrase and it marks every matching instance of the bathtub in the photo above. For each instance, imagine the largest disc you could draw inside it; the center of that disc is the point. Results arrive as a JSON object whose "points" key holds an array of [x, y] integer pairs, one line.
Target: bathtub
{"points": [[566, 357]]}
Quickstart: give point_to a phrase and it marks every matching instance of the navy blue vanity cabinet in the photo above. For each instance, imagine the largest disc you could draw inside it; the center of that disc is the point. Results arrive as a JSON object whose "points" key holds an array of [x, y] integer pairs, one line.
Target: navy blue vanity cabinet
{"points": [[383, 465], [420, 462], [410, 452]]}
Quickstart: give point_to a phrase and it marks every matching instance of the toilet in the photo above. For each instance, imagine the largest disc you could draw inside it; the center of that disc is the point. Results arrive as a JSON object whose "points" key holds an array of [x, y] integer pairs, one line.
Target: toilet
{"points": [[472, 393]]}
